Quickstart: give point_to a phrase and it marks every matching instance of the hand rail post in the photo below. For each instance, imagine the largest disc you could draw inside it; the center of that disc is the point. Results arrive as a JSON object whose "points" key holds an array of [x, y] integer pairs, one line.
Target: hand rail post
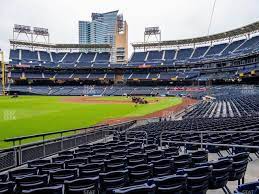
{"points": [[44, 148], [61, 136], [201, 140], [20, 153]]}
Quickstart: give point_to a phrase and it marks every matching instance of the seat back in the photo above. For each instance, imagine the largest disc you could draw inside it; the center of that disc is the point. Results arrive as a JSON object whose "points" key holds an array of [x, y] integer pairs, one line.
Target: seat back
{"points": [[135, 145], [82, 186], [36, 163], [22, 172], [91, 170], [98, 158], [45, 190], [141, 173], [7, 187], [137, 150], [117, 154], [113, 180], [3, 177], [66, 153], [31, 182], [62, 159], [115, 164], [197, 178], [138, 189], [171, 184], [199, 156], [83, 154], [75, 163], [239, 166], [59, 176], [171, 151], [155, 155], [137, 159], [182, 161], [46, 168], [163, 167], [149, 148]]}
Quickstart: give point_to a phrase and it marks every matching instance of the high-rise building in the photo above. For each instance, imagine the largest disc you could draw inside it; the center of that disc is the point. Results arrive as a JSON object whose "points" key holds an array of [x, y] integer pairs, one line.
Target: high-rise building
{"points": [[107, 28]]}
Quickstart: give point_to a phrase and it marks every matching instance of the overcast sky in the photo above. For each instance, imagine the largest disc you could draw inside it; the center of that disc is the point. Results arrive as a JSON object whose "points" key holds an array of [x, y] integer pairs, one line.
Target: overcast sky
{"points": [[176, 18]]}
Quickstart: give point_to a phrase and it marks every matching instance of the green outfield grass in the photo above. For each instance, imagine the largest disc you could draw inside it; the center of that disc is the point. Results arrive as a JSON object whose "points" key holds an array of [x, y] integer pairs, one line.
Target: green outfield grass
{"points": [[29, 115]]}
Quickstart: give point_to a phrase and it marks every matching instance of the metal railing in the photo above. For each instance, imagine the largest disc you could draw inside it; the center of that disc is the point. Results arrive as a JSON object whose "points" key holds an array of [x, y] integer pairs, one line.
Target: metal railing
{"points": [[202, 143], [134, 132], [21, 154], [44, 135]]}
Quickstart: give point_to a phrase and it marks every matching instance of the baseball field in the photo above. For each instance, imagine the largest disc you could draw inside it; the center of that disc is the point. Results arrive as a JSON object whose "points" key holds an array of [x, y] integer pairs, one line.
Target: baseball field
{"points": [[29, 115]]}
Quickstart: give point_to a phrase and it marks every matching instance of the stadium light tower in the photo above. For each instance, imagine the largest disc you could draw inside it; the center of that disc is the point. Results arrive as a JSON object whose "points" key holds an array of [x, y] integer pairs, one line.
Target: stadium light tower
{"points": [[3, 72], [152, 31], [31, 33]]}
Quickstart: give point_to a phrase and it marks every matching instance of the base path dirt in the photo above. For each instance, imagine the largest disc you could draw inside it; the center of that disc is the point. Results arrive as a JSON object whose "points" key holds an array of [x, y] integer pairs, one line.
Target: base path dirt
{"points": [[162, 113]]}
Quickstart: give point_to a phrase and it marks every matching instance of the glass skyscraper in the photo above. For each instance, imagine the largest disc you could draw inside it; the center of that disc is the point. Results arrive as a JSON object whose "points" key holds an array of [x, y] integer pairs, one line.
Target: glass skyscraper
{"points": [[103, 29]]}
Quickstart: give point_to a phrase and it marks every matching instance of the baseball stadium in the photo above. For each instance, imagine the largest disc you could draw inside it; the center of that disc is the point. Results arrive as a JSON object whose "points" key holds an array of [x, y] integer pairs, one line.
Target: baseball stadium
{"points": [[177, 116]]}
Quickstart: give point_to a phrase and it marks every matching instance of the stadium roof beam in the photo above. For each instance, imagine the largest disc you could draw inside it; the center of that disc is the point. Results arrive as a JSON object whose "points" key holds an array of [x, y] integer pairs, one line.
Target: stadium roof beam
{"points": [[21, 44], [228, 35]]}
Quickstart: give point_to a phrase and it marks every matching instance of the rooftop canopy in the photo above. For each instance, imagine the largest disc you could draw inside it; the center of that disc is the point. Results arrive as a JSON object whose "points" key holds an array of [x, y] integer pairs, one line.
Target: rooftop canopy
{"points": [[249, 29], [59, 46]]}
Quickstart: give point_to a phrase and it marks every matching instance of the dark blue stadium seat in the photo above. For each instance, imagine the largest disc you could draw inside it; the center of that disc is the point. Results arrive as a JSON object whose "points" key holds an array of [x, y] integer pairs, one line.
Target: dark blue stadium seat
{"points": [[44, 56], [232, 46], [29, 55], [98, 158], [36, 163], [239, 167], [3, 177], [171, 151], [14, 54], [82, 153], [172, 184], [200, 156], [182, 161], [138, 189], [75, 163], [21, 172], [31, 182], [138, 57], [7, 187], [66, 153], [197, 179], [216, 49], [59, 176], [113, 180], [200, 52], [57, 57], [184, 54], [220, 174], [47, 168], [155, 155], [115, 164], [251, 187], [82, 186], [87, 57], [45, 190], [62, 159], [137, 159], [140, 173], [91, 170], [163, 167]]}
